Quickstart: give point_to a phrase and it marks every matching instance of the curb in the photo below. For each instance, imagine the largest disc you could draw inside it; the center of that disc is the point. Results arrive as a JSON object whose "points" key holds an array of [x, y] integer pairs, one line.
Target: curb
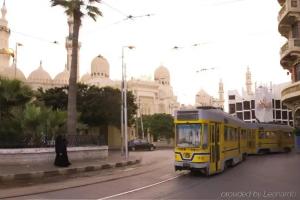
{"points": [[66, 171]]}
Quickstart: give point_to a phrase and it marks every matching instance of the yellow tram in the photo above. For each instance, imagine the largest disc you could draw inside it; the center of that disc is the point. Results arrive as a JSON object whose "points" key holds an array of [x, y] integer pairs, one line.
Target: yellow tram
{"points": [[210, 140]]}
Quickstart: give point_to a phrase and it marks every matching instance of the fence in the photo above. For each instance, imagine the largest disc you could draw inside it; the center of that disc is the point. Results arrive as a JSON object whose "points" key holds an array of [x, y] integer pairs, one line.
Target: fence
{"points": [[73, 141]]}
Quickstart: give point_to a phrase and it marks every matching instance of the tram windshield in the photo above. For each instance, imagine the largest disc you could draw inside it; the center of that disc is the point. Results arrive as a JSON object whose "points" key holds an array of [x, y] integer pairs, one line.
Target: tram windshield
{"points": [[188, 135]]}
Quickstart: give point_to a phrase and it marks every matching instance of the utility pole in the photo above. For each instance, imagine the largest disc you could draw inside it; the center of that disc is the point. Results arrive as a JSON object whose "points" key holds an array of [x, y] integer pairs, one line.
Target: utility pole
{"points": [[16, 57], [124, 128], [142, 125]]}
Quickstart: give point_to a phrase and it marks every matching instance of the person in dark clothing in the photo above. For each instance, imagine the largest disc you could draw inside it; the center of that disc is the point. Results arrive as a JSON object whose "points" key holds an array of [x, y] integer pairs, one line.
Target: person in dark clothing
{"points": [[61, 158]]}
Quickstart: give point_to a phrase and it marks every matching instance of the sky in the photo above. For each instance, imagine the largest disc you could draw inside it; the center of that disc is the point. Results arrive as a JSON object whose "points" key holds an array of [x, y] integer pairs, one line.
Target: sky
{"points": [[231, 36]]}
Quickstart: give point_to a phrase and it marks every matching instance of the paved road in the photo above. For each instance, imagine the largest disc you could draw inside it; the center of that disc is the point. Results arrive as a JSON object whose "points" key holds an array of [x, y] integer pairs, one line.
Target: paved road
{"points": [[273, 176]]}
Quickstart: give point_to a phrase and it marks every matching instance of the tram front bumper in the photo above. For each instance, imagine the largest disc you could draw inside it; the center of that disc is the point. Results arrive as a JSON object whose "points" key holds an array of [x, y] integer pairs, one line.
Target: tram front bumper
{"points": [[182, 165]]}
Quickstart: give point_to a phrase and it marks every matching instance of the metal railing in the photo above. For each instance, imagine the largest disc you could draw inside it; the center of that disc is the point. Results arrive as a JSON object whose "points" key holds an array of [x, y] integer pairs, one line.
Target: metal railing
{"points": [[72, 141]]}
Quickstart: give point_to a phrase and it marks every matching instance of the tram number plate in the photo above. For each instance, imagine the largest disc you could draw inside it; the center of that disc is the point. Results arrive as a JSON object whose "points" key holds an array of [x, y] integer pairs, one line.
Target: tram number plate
{"points": [[186, 164]]}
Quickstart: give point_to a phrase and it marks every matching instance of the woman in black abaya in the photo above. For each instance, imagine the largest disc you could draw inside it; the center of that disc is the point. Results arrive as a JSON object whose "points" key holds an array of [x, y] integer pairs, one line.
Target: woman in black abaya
{"points": [[61, 158]]}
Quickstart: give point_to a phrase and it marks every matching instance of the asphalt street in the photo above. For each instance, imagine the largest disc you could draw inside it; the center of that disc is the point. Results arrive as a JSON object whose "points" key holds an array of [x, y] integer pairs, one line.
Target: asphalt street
{"points": [[274, 176]]}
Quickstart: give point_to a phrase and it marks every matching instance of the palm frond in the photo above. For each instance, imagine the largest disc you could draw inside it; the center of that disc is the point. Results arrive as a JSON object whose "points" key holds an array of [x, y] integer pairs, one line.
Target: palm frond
{"points": [[63, 3], [94, 1], [92, 15], [94, 10]]}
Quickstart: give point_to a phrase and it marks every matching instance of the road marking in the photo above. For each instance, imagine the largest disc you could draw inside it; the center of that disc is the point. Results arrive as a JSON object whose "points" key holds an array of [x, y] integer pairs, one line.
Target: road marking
{"points": [[128, 169], [141, 188]]}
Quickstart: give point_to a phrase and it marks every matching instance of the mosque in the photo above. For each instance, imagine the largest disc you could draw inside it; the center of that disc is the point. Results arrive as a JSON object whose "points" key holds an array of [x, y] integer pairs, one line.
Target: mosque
{"points": [[154, 96]]}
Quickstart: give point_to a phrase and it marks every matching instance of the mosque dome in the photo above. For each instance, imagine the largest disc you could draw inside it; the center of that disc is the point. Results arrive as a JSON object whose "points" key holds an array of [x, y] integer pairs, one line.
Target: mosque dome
{"points": [[85, 78], [162, 75], [62, 77], [39, 75], [99, 67], [13, 73]]}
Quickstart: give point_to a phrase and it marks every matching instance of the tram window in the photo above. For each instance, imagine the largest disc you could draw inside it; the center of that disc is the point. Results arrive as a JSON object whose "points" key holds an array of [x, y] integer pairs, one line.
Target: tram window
{"points": [[188, 135], [226, 133], [205, 135], [232, 134], [212, 130], [262, 135], [236, 134], [243, 134]]}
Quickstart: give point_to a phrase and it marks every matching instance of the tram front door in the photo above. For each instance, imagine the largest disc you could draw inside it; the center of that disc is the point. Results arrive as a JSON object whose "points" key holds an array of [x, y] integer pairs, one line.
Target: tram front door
{"points": [[214, 133]]}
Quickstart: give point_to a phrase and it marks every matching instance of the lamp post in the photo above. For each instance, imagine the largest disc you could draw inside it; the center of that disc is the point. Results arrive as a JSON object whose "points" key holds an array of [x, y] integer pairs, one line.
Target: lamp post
{"points": [[16, 57], [124, 131], [141, 115]]}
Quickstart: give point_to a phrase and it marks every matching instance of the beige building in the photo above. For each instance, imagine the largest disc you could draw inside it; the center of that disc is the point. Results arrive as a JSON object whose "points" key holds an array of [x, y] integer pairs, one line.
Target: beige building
{"points": [[204, 99], [289, 27], [152, 96]]}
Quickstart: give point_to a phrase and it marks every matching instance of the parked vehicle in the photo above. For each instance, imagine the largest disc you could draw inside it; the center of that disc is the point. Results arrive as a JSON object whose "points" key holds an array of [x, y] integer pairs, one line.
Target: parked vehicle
{"points": [[139, 144]]}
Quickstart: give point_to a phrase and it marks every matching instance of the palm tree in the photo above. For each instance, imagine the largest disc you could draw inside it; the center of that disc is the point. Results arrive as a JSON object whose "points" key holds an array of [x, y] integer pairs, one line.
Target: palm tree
{"points": [[75, 9]]}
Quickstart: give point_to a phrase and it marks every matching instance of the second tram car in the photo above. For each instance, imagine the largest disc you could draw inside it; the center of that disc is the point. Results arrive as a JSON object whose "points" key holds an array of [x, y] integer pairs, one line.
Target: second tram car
{"points": [[210, 140]]}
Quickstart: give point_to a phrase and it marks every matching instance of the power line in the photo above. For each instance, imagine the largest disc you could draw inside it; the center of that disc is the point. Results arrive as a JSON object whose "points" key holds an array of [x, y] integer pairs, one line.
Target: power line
{"points": [[35, 37], [115, 9]]}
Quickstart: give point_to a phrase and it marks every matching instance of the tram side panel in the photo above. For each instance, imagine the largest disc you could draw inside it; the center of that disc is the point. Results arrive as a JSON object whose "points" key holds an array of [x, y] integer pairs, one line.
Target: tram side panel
{"points": [[286, 141], [231, 149]]}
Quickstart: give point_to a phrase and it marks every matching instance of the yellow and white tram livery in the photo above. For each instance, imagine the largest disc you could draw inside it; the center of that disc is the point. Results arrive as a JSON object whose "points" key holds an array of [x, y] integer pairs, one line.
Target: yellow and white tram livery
{"points": [[209, 140]]}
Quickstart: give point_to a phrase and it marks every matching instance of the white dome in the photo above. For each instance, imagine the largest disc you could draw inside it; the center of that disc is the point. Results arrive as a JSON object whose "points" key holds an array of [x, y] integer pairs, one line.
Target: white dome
{"points": [[99, 67], [62, 78], [162, 75], [39, 75], [86, 77], [202, 93], [13, 73]]}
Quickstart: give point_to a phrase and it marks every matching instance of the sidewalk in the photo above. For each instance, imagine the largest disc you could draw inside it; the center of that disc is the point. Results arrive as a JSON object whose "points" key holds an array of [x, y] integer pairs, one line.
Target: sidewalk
{"points": [[36, 171]]}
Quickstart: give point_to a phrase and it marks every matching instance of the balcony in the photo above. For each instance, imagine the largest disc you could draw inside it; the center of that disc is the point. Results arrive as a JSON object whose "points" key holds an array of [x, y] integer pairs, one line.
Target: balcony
{"points": [[290, 52], [288, 13], [290, 95]]}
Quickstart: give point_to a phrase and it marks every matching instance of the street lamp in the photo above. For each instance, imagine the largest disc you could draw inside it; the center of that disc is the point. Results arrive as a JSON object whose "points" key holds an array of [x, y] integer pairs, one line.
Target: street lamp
{"points": [[141, 115], [16, 57], [124, 131]]}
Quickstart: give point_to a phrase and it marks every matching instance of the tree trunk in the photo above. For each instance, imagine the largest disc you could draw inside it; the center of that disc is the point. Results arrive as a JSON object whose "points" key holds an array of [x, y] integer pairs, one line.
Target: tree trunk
{"points": [[72, 94]]}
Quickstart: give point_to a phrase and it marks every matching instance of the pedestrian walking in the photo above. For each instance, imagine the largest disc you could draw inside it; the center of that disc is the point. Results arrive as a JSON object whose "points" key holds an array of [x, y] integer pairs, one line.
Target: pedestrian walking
{"points": [[61, 159]]}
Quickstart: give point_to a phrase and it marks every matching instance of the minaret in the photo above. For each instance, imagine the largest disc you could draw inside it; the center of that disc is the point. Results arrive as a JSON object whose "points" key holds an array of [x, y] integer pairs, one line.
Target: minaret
{"points": [[248, 82], [221, 93], [69, 47], [4, 37]]}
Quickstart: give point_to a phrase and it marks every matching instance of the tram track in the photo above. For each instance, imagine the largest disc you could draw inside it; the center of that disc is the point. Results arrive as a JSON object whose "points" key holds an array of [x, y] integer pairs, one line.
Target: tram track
{"points": [[88, 180]]}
